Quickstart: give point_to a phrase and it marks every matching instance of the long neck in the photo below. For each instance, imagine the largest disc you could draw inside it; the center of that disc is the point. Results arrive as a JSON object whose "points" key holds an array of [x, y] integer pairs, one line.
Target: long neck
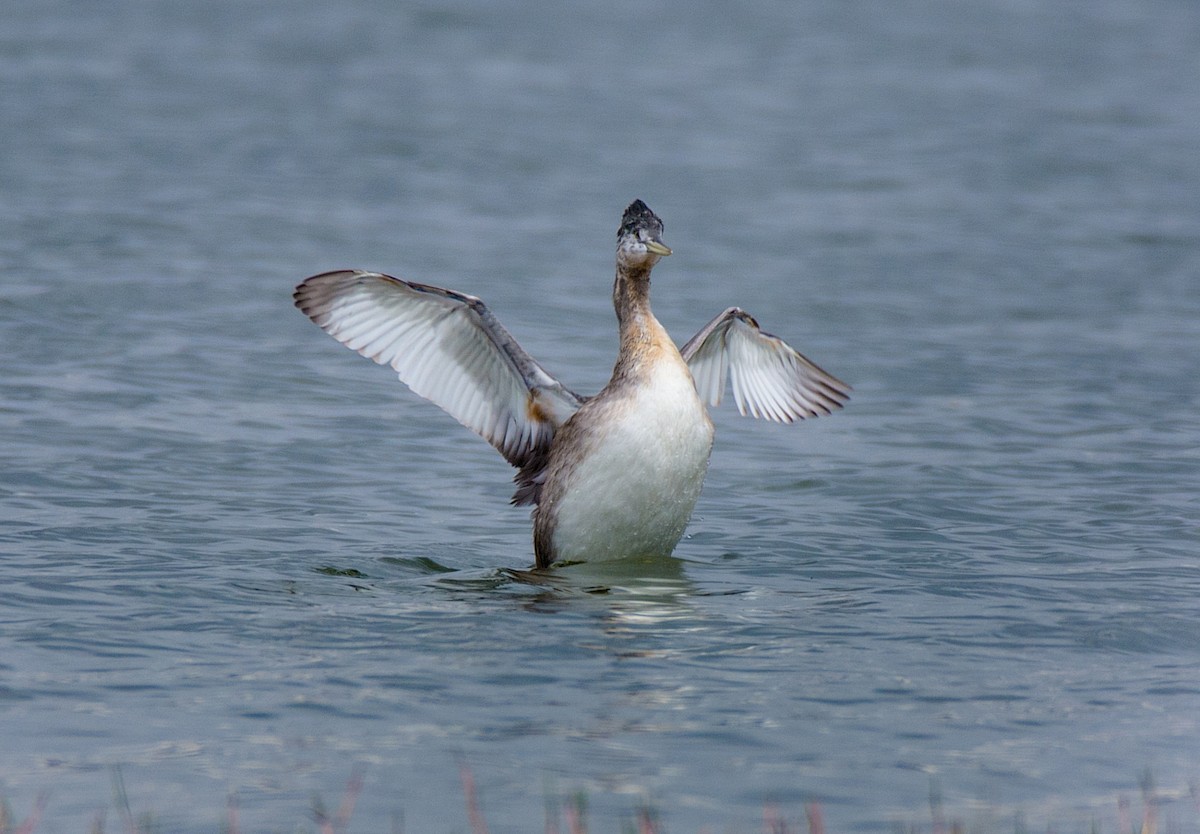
{"points": [[631, 298], [641, 334]]}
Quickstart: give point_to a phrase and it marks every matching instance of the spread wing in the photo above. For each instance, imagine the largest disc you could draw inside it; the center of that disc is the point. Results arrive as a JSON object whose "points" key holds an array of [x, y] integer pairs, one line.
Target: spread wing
{"points": [[770, 379], [450, 349]]}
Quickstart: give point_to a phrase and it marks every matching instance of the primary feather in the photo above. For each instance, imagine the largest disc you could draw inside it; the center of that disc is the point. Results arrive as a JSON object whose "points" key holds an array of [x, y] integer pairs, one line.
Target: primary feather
{"points": [[769, 378], [450, 349]]}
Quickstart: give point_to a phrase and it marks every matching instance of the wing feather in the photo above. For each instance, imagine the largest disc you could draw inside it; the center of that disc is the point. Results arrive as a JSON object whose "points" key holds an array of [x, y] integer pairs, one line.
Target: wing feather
{"points": [[450, 349], [769, 378]]}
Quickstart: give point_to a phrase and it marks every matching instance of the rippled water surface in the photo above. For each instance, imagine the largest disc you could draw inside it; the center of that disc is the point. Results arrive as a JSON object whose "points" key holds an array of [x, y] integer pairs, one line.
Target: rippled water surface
{"points": [[238, 559]]}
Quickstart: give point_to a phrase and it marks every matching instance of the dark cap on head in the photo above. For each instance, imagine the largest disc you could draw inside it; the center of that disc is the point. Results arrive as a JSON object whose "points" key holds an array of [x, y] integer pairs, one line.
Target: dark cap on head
{"points": [[639, 214]]}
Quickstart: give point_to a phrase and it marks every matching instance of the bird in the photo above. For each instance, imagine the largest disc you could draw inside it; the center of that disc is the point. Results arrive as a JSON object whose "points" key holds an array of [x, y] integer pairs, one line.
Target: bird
{"points": [[609, 476]]}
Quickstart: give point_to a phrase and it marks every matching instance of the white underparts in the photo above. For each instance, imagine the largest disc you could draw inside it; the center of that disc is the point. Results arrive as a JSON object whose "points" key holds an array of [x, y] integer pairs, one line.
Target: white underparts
{"points": [[634, 491]]}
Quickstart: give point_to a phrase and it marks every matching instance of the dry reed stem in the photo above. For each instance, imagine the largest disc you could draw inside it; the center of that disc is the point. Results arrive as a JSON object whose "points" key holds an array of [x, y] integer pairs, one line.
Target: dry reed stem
{"points": [[478, 825], [339, 822]]}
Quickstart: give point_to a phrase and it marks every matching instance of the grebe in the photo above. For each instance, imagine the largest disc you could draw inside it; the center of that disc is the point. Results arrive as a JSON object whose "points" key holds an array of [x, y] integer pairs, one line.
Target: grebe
{"points": [[609, 476]]}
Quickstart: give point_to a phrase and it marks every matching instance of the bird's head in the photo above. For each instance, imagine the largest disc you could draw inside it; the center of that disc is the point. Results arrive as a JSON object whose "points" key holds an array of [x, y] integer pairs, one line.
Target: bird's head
{"points": [[639, 240]]}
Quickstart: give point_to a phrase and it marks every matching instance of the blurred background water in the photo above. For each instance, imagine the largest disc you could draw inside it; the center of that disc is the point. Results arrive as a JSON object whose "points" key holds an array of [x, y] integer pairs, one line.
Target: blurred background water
{"points": [[236, 558]]}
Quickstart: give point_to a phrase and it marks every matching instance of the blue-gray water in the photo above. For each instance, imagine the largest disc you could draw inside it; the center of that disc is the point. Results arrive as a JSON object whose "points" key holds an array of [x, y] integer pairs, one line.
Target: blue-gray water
{"points": [[237, 558]]}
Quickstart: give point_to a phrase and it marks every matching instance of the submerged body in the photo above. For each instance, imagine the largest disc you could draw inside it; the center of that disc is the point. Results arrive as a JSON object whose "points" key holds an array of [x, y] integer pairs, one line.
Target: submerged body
{"points": [[611, 476]]}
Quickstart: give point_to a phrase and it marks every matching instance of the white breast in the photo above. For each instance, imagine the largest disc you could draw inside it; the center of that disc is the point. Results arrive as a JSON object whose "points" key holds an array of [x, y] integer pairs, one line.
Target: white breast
{"points": [[635, 490]]}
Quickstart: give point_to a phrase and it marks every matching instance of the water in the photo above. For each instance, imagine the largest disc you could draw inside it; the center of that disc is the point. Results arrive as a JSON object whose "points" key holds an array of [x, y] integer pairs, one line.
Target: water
{"points": [[238, 559]]}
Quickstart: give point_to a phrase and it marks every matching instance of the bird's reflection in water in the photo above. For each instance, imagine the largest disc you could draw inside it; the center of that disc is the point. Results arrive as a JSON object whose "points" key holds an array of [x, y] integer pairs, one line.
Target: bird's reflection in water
{"points": [[629, 591]]}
